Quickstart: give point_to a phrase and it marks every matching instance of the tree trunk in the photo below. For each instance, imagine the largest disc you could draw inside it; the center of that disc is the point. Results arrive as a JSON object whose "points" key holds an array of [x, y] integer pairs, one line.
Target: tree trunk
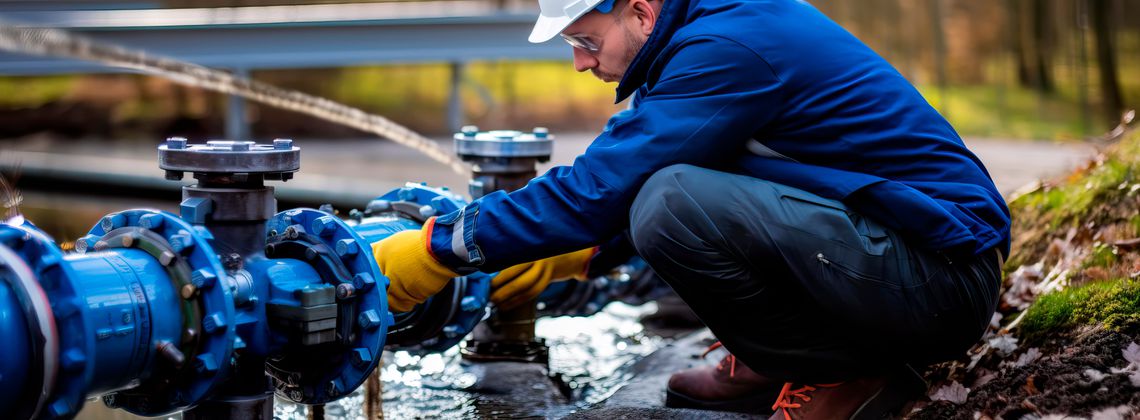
{"points": [[1034, 44], [1020, 49], [939, 53], [1099, 11], [1041, 44]]}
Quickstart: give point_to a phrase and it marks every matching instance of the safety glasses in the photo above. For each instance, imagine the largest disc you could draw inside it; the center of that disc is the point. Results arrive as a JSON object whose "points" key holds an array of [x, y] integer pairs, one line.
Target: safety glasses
{"points": [[581, 42]]}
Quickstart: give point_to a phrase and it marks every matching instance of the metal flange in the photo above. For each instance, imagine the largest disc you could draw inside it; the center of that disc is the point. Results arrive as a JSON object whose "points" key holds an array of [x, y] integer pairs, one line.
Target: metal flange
{"points": [[470, 142], [208, 334], [272, 161], [316, 374], [32, 262]]}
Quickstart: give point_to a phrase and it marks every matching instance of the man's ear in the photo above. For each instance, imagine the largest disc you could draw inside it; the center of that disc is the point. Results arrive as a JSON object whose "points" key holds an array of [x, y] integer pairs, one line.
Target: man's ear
{"points": [[645, 15]]}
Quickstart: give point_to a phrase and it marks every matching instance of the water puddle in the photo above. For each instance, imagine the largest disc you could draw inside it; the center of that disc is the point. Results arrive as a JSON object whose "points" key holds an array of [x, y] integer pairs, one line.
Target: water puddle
{"points": [[590, 355]]}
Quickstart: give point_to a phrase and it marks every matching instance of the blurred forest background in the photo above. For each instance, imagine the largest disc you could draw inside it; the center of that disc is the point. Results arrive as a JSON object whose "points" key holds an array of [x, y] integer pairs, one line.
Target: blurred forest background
{"points": [[1025, 69]]}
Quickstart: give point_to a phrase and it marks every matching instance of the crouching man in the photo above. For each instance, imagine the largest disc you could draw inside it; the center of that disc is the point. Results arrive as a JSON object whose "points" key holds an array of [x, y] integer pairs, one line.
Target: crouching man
{"points": [[817, 214]]}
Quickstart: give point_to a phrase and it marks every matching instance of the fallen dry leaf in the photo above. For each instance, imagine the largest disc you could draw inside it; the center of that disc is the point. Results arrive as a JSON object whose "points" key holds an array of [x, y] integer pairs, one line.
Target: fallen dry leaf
{"points": [[954, 392], [1004, 344], [1030, 356], [1132, 354]]}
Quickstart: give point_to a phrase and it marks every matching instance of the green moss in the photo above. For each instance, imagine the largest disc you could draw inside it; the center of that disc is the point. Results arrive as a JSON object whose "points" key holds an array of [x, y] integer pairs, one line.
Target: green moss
{"points": [[1076, 198], [1115, 304], [1102, 256], [1074, 201]]}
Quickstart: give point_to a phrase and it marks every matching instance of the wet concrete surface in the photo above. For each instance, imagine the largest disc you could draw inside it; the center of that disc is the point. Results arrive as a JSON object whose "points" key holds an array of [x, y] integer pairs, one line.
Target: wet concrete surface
{"points": [[605, 366], [591, 358], [644, 395]]}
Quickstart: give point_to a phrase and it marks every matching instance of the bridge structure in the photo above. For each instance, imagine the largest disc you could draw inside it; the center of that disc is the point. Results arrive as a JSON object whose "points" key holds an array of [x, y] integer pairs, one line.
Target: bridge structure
{"points": [[246, 39]]}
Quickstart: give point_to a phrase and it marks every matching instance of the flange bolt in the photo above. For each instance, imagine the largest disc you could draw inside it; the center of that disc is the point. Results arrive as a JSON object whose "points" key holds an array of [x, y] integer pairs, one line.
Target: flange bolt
{"points": [[282, 144], [347, 248], [324, 226], [469, 130], [345, 291], [176, 143], [369, 319]]}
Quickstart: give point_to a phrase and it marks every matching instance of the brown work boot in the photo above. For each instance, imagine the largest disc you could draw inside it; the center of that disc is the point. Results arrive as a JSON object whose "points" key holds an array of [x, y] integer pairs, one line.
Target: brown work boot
{"points": [[858, 399], [729, 386]]}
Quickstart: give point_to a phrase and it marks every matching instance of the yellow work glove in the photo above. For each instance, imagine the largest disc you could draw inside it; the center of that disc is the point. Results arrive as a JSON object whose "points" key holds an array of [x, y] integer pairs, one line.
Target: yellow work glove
{"points": [[519, 284], [415, 274]]}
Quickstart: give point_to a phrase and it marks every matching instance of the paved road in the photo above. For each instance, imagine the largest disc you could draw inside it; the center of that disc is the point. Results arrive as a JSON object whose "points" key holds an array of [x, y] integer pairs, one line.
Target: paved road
{"points": [[1012, 163], [364, 168]]}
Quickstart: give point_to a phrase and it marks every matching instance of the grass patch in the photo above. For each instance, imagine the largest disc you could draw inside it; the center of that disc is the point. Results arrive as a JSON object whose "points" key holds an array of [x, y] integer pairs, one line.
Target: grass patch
{"points": [[1078, 195], [1009, 112], [1115, 304], [1098, 199], [1062, 205], [1102, 256], [32, 92], [1092, 198]]}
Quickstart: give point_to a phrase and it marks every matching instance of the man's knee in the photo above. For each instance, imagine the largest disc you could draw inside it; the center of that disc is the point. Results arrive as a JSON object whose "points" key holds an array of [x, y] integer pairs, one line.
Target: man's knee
{"points": [[660, 207]]}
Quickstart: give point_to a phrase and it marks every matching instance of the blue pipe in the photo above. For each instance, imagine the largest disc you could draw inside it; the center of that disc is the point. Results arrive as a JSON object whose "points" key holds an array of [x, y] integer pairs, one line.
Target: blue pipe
{"points": [[153, 319], [133, 306]]}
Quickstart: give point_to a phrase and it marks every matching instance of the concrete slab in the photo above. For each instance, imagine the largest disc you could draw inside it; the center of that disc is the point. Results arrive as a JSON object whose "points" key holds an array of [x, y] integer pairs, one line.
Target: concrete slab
{"points": [[644, 396]]}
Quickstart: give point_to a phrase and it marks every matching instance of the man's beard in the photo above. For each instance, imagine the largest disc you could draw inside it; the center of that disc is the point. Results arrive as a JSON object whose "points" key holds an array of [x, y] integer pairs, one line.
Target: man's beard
{"points": [[634, 44]]}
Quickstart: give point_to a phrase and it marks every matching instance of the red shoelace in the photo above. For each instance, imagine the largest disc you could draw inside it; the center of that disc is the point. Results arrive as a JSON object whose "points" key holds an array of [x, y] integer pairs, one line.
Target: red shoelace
{"points": [[787, 396], [730, 359]]}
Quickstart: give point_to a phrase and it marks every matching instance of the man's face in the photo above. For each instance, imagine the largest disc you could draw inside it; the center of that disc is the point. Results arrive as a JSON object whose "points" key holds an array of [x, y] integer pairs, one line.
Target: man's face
{"points": [[617, 37]]}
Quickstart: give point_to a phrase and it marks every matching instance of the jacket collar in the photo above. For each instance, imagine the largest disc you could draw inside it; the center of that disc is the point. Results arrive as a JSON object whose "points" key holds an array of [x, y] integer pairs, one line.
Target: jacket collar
{"points": [[672, 17]]}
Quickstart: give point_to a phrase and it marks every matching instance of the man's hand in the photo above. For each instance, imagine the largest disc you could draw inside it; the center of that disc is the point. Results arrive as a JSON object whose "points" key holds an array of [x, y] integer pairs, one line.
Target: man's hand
{"points": [[415, 274], [519, 284]]}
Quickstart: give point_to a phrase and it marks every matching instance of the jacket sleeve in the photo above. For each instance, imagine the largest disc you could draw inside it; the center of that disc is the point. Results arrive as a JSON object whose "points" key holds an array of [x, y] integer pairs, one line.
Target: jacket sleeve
{"points": [[709, 98], [612, 253]]}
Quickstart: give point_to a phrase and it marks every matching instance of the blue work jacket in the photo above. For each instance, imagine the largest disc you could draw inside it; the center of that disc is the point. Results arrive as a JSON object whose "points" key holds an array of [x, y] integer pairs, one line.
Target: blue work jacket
{"points": [[715, 74]]}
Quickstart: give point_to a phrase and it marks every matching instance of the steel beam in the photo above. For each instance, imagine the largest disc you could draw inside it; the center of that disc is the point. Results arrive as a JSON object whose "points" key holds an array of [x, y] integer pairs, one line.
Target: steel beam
{"points": [[281, 37]]}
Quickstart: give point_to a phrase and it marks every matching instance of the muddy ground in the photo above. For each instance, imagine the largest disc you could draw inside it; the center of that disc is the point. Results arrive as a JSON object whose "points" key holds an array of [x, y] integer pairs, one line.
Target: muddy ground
{"points": [[1070, 379]]}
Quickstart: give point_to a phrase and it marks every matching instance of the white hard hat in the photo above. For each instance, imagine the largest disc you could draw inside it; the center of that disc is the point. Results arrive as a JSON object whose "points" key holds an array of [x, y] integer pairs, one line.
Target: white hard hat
{"points": [[556, 15]]}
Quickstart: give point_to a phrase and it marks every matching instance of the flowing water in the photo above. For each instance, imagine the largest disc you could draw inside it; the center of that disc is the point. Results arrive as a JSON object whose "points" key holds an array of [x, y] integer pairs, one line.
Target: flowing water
{"points": [[59, 43]]}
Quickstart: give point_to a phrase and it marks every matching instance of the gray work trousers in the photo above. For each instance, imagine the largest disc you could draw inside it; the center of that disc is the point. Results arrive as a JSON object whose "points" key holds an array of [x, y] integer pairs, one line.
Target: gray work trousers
{"points": [[799, 287]]}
